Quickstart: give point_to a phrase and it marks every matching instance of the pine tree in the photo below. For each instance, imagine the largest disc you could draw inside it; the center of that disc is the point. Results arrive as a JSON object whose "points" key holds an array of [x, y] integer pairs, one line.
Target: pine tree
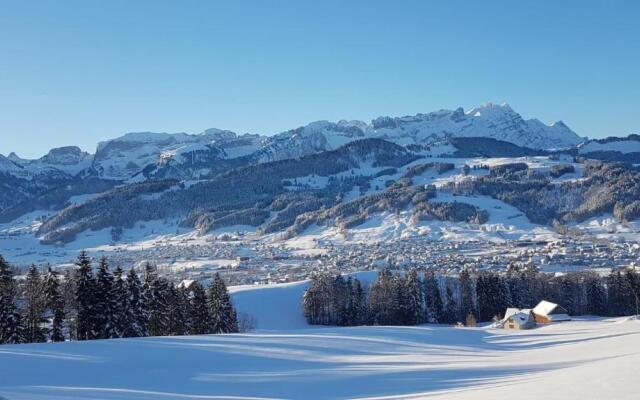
{"points": [[400, 313], [85, 301], [484, 296], [493, 295], [34, 317], [467, 295], [596, 296], [355, 313], [415, 305], [184, 302], [54, 304], [569, 294], [200, 317], [349, 310], [450, 315], [340, 302], [104, 301], [155, 302], [177, 318], [136, 318], [633, 280], [359, 303], [382, 299], [522, 284], [317, 300], [68, 291], [223, 315], [119, 303], [10, 323], [504, 295], [433, 300]]}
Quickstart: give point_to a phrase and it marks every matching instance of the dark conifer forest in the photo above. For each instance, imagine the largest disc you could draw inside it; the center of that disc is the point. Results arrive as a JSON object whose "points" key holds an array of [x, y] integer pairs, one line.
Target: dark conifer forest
{"points": [[413, 297], [95, 302]]}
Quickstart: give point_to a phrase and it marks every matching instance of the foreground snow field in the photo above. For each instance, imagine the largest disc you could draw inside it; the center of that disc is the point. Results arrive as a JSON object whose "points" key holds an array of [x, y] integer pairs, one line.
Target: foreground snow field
{"points": [[582, 359]]}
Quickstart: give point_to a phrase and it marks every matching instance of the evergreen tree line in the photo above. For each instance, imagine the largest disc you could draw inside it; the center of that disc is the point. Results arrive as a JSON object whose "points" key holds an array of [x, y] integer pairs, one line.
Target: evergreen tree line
{"points": [[87, 304], [413, 298]]}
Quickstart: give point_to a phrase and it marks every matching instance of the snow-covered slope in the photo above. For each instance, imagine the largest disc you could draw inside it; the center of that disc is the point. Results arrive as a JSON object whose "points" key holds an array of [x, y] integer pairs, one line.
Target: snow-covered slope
{"points": [[621, 146], [630, 144], [128, 155], [576, 360], [278, 306], [623, 149]]}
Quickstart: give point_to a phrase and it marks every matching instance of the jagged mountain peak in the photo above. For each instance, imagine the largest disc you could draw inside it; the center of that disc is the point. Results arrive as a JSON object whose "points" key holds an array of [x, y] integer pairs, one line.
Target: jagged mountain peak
{"points": [[492, 110], [14, 157], [218, 134], [147, 137], [128, 155], [68, 155]]}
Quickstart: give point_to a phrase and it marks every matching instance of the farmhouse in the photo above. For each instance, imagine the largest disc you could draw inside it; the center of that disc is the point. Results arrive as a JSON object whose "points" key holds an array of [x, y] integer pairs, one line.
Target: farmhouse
{"points": [[515, 318], [546, 312]]}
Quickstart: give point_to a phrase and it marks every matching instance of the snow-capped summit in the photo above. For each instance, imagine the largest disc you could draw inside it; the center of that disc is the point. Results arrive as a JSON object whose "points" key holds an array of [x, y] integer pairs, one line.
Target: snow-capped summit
{"points": [[128, 155], [135, 151], [499, 122], [8, 165], [70, 155], [69, 160], [14, 157], [489, 109], [218, 134]]}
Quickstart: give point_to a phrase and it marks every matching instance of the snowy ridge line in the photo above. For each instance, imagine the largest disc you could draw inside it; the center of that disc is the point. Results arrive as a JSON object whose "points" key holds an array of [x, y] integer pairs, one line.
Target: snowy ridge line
{"points": [[125, 157]]}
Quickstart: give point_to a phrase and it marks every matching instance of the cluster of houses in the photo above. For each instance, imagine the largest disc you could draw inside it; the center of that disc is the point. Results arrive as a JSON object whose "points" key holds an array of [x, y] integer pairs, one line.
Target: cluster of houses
{"points": [[544, 313], [250, 260]]}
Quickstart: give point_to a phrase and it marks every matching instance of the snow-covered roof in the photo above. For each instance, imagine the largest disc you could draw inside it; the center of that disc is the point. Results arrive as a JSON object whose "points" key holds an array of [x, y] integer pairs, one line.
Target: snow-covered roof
{"points": [[510, 312], [552, 311], [522, 316], [545, 308]]}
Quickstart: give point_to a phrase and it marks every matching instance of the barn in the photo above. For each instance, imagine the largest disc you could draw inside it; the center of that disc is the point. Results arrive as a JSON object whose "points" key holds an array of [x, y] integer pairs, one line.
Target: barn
{"points": [[546, 312], [515, 318]]}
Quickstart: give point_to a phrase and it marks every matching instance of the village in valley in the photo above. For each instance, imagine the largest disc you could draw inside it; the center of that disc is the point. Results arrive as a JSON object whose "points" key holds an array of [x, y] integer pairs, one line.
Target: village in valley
{"points": [[246, 258], [243, 260]]}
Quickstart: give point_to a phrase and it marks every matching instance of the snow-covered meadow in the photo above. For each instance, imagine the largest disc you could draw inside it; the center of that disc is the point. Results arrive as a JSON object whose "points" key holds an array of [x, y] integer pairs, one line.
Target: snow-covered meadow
{"points": [[286, 359], [573, 360]]}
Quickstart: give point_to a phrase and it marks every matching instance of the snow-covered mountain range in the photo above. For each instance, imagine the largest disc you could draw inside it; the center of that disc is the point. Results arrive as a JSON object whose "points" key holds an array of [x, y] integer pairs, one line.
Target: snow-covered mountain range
{"points": [[139, 156], [332, 174]]}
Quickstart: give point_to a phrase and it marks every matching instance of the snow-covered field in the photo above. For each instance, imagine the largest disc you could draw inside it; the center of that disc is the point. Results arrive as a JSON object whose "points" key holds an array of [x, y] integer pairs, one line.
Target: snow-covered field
{"points": [[278, 307], [286, 359], [584, 359]]}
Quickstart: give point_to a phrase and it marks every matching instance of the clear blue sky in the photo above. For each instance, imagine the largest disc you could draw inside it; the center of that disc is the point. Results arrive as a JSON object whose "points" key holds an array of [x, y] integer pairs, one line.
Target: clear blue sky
{"points": [[77, 72]]}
